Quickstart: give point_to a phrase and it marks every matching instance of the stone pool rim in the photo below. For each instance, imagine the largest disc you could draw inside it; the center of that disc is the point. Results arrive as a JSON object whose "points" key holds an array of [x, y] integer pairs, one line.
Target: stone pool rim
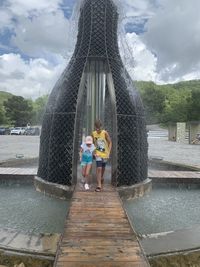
{"points": [[136, 190], [170, 247], [160, 161], [52, 189]]}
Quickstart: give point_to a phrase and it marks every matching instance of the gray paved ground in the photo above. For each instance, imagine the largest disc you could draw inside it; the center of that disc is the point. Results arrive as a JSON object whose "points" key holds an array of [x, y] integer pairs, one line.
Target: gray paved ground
{"points": [[12, 147], [174, 152]]}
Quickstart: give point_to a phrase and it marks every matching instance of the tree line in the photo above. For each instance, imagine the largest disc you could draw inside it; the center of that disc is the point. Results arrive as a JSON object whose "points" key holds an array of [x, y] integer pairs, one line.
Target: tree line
{"points": [[178, 102], [18, 111]]}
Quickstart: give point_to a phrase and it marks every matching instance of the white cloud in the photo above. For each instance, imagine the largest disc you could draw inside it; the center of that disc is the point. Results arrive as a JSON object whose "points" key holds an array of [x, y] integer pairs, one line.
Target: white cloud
{"points": [[38, 28], [173, 35], [41, 35], [5, 19], [25, 8], [138, 7], [167, 52], [29, 79], [144, 65]]}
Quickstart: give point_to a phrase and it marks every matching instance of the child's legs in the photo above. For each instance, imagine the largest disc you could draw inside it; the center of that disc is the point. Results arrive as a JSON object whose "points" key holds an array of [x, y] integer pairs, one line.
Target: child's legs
{"points": [[87, 172], [83, 171]]}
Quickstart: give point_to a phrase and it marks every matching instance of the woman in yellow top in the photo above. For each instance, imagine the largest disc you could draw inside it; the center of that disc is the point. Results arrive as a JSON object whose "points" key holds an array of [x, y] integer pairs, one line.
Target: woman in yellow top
{"points": [[103, 146]]}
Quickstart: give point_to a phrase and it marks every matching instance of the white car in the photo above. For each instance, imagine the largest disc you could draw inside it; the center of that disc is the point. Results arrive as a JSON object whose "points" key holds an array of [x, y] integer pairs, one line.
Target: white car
{"points": [[17, 131]]}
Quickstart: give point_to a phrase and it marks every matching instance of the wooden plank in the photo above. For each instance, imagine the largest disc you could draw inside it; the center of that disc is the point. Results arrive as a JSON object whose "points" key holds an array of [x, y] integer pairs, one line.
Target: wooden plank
{"points": [[97, 233], [121, 242], [99, 257], [102, 264]]}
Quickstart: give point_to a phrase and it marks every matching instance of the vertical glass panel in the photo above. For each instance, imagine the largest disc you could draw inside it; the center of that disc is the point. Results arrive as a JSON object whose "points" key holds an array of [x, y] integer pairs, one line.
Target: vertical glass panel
{"points": [[95, 88], [98, 102]]}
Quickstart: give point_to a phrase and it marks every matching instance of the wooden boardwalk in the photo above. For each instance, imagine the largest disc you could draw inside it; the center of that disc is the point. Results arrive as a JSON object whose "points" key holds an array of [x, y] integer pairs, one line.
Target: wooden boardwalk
{"points": [[97, 233]]}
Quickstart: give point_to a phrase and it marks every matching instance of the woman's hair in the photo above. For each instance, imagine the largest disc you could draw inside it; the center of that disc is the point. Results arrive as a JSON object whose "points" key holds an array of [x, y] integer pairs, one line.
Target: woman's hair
{"points": [[98, 124]]}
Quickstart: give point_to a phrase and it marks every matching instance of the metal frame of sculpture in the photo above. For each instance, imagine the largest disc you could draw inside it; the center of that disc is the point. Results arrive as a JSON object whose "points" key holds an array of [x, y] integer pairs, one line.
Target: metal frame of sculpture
{"points": [[123, 112]]}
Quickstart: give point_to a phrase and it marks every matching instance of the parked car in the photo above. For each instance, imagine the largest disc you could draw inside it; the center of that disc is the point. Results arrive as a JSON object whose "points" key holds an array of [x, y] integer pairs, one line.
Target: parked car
{"points": [[32, 131], [17, 131], [4, 130]]}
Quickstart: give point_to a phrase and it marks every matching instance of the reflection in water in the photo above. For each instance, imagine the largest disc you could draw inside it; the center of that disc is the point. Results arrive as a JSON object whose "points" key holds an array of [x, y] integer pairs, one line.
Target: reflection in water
{"points": [[24, 209], [164, 209]]}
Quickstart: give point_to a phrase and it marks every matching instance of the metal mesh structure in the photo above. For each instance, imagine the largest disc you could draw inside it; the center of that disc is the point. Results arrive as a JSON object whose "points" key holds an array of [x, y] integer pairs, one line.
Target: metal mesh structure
{"points": [[123, 114]]}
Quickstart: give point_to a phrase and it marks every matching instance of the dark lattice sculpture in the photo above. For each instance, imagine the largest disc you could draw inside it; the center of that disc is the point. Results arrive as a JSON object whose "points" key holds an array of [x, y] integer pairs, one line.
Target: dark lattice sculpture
{"points": [[59, 144]]}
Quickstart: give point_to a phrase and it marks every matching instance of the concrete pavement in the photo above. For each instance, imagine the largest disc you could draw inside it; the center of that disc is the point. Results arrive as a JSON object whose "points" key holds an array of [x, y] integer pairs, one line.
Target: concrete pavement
{"points": [[180, 153], [16, 147], [27, 147]]}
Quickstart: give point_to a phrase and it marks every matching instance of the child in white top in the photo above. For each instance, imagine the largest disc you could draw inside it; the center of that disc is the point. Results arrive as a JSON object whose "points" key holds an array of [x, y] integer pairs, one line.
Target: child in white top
{"points": [[86, 156]]}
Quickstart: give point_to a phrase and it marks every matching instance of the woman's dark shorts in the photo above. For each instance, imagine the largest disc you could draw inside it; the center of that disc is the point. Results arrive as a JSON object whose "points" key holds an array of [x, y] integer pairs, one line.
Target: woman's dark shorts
{"points": [[100, 162]]}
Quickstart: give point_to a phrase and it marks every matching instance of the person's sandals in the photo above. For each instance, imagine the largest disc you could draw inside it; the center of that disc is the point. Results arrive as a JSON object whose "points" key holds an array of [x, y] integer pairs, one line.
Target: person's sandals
{"points": [[98, 189]]}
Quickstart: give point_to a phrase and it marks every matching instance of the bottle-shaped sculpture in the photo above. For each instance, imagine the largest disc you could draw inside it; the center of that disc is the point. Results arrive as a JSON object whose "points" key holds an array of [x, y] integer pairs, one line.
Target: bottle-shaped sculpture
{"points": [[94, 85]]}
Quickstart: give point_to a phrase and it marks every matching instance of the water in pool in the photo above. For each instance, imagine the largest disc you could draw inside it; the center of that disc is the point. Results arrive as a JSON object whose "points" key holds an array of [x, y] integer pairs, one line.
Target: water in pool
{"points": [[24, 209], [164, 209]]}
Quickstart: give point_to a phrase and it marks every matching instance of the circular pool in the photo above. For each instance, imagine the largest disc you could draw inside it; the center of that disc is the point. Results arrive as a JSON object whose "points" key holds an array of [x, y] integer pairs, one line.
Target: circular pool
{"points": [[165, 208], [24, 209]]}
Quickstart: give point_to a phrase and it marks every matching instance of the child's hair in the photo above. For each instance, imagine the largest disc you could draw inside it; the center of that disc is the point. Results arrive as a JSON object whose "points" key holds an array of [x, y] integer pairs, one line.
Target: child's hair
{"points": [[98, 124]]}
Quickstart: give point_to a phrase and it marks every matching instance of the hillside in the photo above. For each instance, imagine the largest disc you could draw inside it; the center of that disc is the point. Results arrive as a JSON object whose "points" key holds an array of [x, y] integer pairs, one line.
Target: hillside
{"points": [[141, 86], [170, 102], [192, 85], [162, 103], [3, 97]]}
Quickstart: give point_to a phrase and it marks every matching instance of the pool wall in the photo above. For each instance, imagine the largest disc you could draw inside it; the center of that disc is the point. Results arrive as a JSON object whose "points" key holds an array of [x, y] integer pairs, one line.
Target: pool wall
{"points": [[29, 250], [182, 259], [174, 248]]}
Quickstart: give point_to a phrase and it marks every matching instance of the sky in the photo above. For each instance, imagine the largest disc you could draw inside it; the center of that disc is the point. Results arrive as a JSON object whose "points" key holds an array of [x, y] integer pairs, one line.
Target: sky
{"points": [[161, 40]]}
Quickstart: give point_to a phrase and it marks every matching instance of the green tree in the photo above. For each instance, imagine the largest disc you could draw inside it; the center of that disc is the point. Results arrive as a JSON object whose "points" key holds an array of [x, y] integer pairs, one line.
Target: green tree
{"points": [[171, 102], [153, 98], [176, 105], [2, 116], [3, 97], [18, 110], [39, 106], [194, 106]]}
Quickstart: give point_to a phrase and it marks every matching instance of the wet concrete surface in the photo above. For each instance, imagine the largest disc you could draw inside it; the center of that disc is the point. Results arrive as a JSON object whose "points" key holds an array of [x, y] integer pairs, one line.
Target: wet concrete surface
{"points": [[173, 241], [27, 147], [43, 244], [182, 153], [18, 147]]}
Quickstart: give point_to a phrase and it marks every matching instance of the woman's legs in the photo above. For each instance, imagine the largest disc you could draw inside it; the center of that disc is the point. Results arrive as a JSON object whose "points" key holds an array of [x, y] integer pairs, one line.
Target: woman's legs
{"points": [[101, 164], [102, 173], [99, 176]]}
